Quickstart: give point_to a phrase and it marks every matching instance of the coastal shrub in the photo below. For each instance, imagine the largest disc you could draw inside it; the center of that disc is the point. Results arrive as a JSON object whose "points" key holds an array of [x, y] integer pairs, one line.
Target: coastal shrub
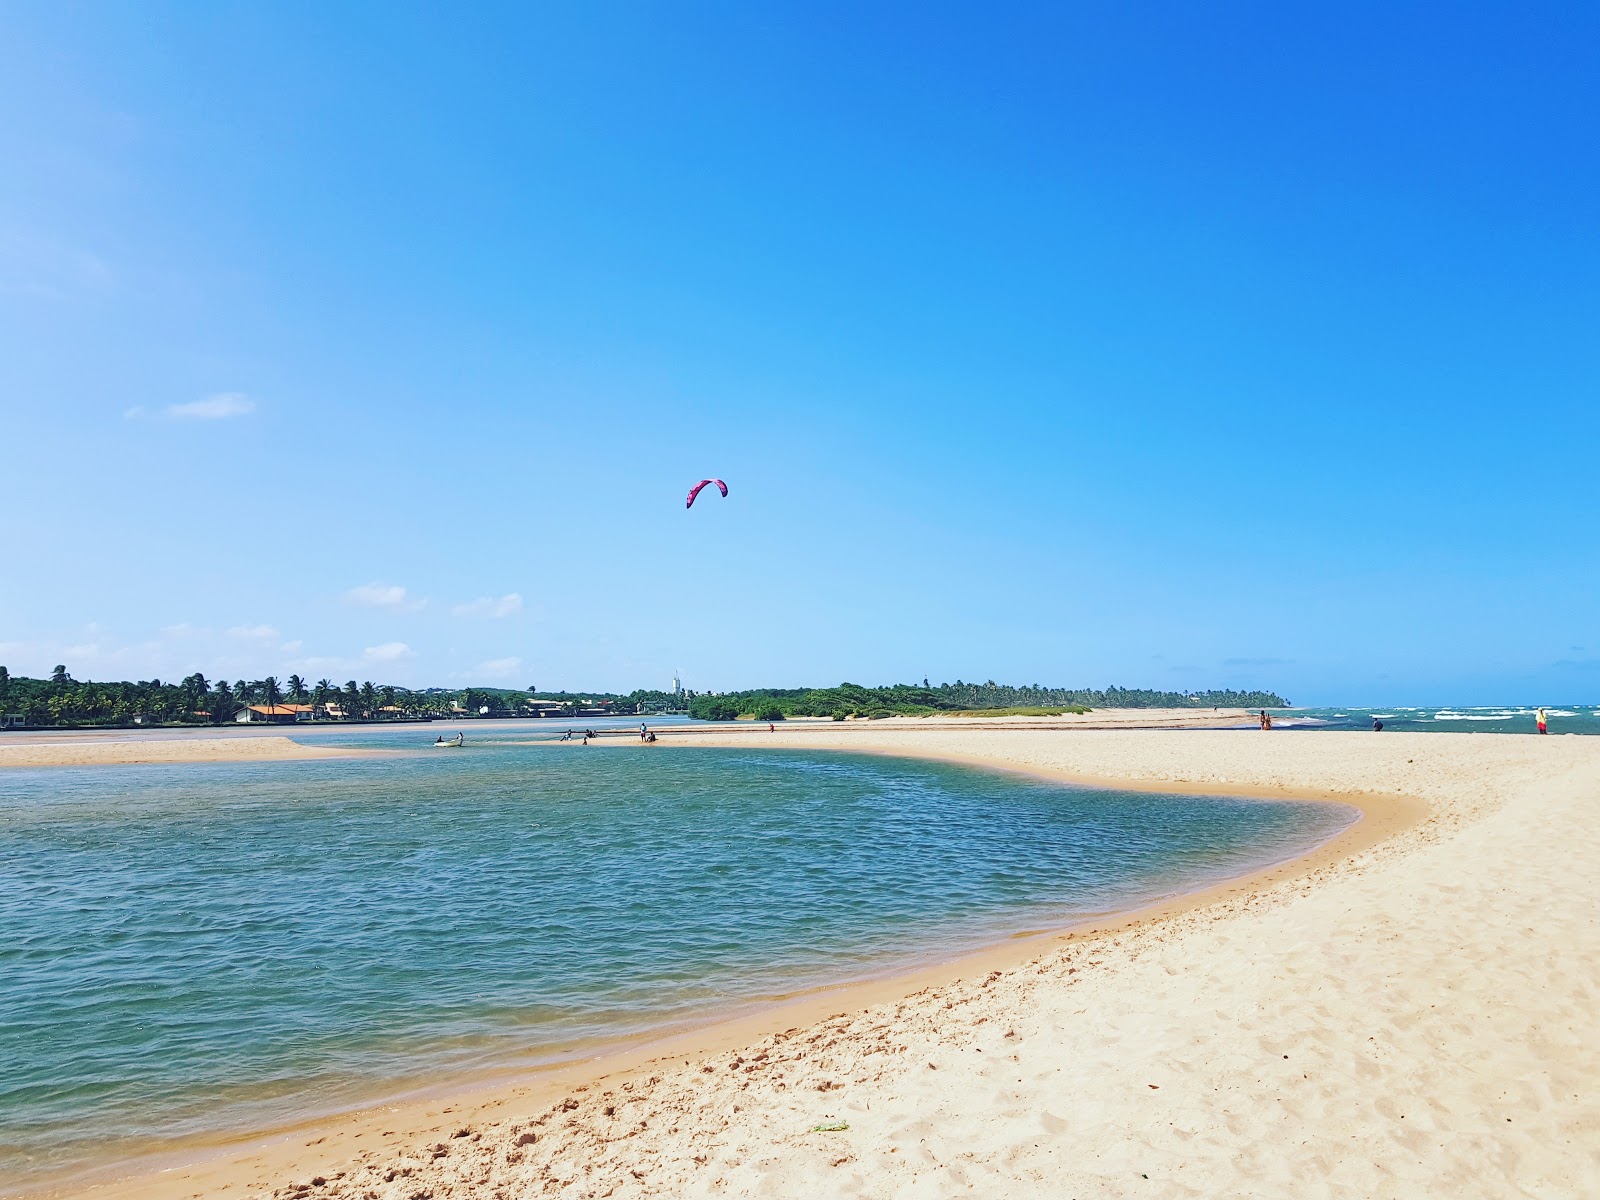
{"points": [[769, 712], [713, 708]]}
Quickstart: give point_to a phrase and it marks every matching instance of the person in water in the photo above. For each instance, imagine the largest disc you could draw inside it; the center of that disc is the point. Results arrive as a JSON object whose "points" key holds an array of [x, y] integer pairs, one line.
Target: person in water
{"points": [[1377, 725], [1539, 718]]}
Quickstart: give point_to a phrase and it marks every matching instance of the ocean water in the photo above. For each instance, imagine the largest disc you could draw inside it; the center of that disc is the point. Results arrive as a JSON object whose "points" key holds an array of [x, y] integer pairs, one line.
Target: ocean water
{"points": [[1577, 718], [212, 949]]}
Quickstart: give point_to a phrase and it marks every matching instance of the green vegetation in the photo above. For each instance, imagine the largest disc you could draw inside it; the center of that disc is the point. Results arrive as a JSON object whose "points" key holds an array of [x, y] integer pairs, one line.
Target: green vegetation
{"points": [[64, 701], [966, 699], [194, 700]]}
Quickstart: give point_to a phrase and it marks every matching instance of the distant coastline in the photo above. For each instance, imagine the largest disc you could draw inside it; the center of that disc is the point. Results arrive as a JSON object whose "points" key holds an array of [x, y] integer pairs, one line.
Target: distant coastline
{"points": [[62, 702]]}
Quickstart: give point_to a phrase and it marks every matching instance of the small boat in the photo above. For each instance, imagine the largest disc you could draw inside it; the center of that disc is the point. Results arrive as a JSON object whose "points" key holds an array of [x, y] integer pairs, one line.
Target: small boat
{"points": [[439, 743]]}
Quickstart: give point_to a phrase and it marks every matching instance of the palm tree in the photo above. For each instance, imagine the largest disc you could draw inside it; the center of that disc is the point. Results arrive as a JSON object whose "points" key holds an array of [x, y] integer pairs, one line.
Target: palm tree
{"points": [[319, 694], [369, 700], [352, 699], [297, 689], [223, 703], [270, 692], [194, 694]]}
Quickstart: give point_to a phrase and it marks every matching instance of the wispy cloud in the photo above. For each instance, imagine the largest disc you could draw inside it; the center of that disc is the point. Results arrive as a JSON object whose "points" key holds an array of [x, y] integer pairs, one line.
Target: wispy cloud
{"points": [[134, 413], [382, 595], [253, 631], [251, 651], [44, 267], [508, 605], [1576, 664], [499, 668], [315, 664], [213, 408]]}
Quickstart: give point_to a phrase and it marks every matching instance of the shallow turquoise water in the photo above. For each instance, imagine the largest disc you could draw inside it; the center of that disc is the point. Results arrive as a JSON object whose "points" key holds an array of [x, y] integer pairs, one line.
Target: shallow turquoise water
{"points": [[195, 949]]}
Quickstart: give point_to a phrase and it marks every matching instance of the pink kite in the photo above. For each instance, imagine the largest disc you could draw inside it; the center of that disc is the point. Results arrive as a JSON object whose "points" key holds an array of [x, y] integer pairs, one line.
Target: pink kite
{"points": [[695, 490]]}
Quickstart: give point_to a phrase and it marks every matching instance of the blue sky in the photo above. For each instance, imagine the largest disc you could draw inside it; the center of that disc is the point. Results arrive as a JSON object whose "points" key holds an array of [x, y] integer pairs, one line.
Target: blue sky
{"points": [[1151, 344]]}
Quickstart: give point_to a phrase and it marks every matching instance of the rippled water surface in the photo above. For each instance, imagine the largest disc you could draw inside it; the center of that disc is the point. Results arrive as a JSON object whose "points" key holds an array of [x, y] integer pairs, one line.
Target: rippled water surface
{"points": [[196, 949], [1581, 719]]}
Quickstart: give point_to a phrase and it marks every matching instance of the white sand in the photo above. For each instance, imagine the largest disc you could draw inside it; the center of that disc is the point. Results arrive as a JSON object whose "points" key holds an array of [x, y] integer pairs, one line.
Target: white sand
{"points": [[63, 752], [1422, 1019]]}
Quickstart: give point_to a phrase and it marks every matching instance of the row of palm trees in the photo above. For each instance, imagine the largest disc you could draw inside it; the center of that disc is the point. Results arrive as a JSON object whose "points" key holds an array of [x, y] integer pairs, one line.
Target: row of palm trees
{"points": [[63, 700], [364, 700]]}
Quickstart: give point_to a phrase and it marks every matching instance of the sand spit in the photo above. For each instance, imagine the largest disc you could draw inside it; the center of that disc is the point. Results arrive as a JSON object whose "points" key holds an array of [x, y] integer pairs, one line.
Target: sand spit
{"points": [[1099, 718], [105, 753], [1416, 1018]]}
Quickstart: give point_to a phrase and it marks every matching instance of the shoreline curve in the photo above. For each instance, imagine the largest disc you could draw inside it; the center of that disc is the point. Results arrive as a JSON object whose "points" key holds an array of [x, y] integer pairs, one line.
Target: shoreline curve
{"points": [[423, 1112]]}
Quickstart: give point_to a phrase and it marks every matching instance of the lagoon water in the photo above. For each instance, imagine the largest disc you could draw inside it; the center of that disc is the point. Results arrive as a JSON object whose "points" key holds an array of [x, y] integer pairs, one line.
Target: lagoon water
{"points": [[205, 949]]}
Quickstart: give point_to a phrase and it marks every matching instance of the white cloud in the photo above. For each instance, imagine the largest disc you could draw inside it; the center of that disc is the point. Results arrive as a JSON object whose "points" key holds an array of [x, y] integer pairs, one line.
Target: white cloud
{"points": [[213, 408], [134, 413], [508, 605], [253, 631], [251, 651], [382, 595], [499, 668]]}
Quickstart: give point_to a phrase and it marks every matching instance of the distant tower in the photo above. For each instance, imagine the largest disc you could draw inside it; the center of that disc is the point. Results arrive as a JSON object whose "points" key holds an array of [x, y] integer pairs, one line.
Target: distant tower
{"points": [[677, 685]]}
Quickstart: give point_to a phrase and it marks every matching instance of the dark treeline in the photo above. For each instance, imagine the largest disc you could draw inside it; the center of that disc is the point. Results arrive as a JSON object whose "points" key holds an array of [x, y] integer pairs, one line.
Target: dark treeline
{"points": [[852, 700], [196, 700]]}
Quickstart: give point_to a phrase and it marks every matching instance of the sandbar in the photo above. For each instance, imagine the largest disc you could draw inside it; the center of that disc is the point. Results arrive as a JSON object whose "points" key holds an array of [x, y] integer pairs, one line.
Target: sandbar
{"points": [[128, 750]]}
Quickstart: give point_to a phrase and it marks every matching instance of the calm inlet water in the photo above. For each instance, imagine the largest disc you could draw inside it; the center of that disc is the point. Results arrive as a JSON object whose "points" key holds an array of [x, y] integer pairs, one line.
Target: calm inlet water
{"points": [[204, 949]]}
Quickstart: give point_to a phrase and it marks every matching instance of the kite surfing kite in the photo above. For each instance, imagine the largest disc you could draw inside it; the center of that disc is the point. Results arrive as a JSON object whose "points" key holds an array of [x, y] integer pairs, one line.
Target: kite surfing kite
{"points": [[695, 490]]}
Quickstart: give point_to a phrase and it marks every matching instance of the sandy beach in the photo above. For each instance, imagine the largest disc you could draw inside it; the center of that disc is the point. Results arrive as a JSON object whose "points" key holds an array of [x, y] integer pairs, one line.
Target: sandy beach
{"points": [[1409, 1012], [123, 750]]}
